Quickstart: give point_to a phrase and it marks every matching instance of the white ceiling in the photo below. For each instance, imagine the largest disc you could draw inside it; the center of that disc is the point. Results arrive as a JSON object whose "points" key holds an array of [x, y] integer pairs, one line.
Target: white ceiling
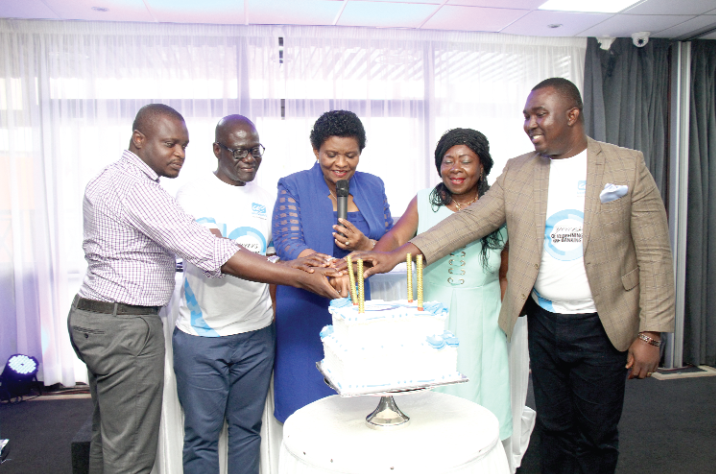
{"points": [[681, 19]]}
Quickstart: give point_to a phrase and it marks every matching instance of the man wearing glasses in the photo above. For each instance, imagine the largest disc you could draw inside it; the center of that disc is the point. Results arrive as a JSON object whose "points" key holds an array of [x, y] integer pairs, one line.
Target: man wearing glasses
{"points": [[133, 231], [224, 338]]}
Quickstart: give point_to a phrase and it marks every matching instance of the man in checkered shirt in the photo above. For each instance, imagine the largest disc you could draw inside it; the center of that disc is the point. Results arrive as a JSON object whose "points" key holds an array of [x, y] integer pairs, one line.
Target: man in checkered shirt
{"points": [[133, 231]]}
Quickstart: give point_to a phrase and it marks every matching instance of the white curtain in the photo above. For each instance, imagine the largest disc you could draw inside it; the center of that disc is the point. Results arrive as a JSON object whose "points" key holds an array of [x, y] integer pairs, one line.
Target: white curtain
{"points": [[69, 92]]}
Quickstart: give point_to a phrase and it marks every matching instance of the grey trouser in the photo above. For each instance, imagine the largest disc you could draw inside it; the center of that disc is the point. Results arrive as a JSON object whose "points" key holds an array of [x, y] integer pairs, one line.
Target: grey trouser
{"points": [[124, 354]]}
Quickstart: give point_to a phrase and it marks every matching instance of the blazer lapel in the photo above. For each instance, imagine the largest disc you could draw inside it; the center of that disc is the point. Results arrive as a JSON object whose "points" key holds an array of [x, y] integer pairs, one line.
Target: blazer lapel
{"points": [[595, 172], [540, 194]]}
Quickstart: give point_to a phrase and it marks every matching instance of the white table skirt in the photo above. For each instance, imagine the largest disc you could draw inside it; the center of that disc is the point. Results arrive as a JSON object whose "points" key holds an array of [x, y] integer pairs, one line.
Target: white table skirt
{"points": [[446, 434], [388, 287]]}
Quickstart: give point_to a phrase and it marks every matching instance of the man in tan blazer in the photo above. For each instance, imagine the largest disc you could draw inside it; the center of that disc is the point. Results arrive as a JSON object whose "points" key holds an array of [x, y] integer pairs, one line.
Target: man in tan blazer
{"points": [[589, 264]]}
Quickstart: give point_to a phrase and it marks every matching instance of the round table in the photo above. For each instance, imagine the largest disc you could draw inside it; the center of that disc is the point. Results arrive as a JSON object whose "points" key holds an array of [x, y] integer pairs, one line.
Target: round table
{"points": [[446, 434], [390, 286]]}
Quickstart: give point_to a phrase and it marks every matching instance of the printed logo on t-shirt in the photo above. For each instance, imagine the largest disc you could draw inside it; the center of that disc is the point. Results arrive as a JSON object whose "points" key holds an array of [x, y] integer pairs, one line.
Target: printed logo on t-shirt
{"points": [[543, 302], [258, 210], [563, 235], [249, 238], [581, 187], [196, 315]]}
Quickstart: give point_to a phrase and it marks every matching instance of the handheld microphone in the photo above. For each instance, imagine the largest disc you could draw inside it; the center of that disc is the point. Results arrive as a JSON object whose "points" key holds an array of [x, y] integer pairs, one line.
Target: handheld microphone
{"points": [[342, 191]]}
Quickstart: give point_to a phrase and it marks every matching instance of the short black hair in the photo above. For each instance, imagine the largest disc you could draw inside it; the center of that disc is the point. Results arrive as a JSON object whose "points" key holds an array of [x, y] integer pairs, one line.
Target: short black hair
{"points": [[148, 114], [337, 123], [564, 88]]}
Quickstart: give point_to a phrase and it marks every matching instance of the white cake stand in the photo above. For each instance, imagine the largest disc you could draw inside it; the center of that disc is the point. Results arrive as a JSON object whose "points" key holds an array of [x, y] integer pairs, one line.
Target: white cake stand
{"points": [[387, 415]]}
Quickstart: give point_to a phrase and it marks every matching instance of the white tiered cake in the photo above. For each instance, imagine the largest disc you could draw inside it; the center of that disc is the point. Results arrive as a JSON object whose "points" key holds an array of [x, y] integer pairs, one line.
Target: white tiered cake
{"points": [[391, 346]]}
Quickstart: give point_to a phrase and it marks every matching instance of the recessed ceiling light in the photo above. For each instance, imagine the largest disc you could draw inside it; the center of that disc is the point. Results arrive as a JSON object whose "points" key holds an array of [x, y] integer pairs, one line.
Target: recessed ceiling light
{"points": [[602, 6], [100, 9], [554, 25]]}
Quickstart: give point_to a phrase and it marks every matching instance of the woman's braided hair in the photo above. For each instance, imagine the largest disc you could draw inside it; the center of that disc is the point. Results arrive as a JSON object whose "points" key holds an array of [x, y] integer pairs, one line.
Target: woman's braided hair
{"points": [[441, 195]]}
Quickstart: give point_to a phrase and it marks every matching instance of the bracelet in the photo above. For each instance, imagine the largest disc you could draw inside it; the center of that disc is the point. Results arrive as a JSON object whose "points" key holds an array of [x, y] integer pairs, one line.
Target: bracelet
{"points": [[649, 340]]}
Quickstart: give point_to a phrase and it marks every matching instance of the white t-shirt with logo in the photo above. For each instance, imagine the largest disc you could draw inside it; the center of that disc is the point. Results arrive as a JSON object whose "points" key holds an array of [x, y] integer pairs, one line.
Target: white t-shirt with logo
{"points": [[562, 285], [213, 307]]}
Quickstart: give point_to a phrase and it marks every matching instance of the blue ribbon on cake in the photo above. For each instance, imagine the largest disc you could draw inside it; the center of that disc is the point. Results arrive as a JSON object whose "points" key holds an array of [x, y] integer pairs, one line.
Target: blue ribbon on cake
{"points": [[341, 303], [326, 331], [435, 307], [450, 339], [438, 341]]}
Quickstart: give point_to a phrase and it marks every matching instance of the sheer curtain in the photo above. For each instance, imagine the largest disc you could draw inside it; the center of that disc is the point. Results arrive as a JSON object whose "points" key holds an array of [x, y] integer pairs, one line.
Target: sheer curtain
{"points": [[68, 96], [69, 92], [409, 87]]}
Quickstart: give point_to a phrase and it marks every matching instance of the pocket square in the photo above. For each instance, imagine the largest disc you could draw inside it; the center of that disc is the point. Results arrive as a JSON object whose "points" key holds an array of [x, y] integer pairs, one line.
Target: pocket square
{"points": [[612, 192]]}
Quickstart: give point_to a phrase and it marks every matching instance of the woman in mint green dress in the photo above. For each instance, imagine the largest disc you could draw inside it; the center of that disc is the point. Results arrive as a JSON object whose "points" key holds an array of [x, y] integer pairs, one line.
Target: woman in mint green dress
{"points": [[471, 280]]}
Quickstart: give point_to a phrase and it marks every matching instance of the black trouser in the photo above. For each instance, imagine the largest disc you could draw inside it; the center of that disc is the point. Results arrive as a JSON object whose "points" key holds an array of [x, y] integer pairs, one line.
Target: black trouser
{"points": [[579, 380]]}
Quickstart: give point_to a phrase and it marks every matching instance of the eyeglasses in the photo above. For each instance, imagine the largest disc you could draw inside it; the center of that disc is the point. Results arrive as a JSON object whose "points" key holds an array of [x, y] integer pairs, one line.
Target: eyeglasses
{"points": [[241, 153]]}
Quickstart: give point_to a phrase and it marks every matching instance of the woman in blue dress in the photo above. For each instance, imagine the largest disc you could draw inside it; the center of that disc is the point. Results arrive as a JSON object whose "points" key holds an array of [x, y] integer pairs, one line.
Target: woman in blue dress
{"points": [[305, 222]]}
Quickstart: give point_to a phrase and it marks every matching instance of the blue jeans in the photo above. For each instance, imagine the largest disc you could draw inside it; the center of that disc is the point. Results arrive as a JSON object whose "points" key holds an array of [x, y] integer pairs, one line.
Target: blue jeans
{"points": [[579, 380], [223, 378]]}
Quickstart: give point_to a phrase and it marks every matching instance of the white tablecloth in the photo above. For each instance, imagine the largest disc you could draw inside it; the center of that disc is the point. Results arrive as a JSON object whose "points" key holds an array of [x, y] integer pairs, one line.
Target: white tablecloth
{"points": [[390, 286], [446, 434]]}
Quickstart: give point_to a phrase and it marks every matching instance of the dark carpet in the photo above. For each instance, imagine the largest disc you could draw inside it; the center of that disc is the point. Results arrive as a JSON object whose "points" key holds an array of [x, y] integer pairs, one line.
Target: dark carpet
{"points": [[40, 434], [667, 427]]}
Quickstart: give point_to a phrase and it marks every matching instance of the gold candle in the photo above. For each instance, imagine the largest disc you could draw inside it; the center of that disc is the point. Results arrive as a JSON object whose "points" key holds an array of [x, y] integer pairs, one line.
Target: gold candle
{"points": [[352, 279], [419, 265], [361, 288], [409, 263]]}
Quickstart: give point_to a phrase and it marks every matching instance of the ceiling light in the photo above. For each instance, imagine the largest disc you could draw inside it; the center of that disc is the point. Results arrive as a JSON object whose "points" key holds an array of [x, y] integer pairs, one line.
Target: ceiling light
{"points": [[100, 9], [554, 25], [602, 6]]}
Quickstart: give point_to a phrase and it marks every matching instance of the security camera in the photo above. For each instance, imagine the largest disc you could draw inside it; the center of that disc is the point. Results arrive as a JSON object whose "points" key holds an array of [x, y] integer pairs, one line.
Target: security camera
{"points": [[640, 39]]}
